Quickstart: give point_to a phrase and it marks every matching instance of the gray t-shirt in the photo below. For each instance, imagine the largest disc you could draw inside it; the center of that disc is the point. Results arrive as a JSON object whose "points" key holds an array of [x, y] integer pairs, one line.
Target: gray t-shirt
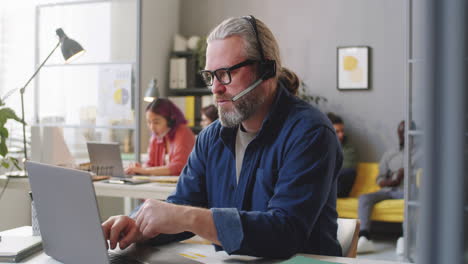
{"points": [[243, 139], [391, 162]]}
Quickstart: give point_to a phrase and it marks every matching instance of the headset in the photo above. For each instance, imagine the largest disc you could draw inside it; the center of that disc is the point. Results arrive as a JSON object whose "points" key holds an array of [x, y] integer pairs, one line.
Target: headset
{"points": [[170, 120], [266, 67]]}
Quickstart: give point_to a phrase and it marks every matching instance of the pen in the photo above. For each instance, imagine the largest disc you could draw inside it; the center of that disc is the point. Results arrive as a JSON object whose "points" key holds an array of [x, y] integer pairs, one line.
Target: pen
{"points": [[117, 181]]}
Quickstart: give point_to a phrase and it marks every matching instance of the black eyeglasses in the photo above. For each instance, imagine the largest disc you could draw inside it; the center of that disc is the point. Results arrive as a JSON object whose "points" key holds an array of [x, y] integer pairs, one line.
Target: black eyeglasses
{"points": [[222, 74]]}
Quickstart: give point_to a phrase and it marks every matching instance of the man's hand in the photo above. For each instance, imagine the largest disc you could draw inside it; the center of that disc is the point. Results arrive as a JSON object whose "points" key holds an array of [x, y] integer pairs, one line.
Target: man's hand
{"points": [[155, 217], [399, 177], [394, 180], [121, 229]]}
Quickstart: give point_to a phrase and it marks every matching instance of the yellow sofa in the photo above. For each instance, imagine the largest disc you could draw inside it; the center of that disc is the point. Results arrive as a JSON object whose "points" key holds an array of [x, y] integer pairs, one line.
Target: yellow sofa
{"points": [[386, 211]]}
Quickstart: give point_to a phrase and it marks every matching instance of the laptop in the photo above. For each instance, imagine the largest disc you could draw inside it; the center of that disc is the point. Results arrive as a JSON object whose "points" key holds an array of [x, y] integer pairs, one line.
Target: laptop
{"points": [[68, 215], [106, 160]]}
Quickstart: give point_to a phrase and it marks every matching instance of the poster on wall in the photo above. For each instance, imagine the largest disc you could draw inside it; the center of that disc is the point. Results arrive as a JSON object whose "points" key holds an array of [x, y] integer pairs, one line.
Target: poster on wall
{"points": [[353, 68], [115, 94]]}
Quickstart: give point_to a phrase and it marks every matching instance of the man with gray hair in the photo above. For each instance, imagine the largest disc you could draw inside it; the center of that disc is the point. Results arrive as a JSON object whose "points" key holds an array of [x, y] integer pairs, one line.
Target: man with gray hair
{"points": [[261, 180]]}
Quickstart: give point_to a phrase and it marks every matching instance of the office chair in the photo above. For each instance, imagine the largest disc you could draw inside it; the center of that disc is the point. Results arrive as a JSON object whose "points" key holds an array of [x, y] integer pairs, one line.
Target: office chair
{"points": [[348, 235]]}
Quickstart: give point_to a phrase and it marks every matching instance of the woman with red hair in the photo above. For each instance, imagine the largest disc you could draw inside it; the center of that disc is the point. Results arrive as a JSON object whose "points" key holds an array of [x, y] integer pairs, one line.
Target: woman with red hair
{"points": [[171, 141]]}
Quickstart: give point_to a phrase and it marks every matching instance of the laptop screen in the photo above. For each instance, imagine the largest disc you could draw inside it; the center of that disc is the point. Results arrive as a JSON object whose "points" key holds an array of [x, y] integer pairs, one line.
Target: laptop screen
{"points": [[67, 213], [105, 159]]}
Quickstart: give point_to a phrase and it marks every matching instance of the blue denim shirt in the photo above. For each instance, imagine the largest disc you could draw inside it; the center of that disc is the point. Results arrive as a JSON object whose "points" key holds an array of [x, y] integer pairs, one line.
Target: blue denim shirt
{"points": [[285, 201]]}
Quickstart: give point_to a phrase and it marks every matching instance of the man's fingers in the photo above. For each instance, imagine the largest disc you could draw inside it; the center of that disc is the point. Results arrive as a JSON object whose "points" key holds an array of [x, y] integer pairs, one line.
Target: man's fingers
{"points": [[139, 215], [142, 224], [115, 231], [106, 226], [129, 237]]}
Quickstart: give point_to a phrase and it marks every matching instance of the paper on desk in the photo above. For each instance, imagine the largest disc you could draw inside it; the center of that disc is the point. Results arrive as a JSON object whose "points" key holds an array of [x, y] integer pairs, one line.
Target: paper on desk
{"points": [[14, 245], [209, 256], [305, 260], [160, 179]]}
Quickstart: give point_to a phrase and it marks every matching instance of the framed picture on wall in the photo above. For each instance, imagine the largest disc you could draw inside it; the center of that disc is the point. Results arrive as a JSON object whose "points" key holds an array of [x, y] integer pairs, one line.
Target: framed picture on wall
{"points": [[353, 68]]}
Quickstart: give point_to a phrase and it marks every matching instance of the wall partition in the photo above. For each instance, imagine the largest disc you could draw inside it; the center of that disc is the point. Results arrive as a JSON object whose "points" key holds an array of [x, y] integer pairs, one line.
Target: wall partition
{"points": [[95, 97]]}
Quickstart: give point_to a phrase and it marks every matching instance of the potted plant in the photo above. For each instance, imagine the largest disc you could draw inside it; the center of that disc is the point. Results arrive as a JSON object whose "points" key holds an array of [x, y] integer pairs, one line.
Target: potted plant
{"points": [[6, 114], [311, 99]]}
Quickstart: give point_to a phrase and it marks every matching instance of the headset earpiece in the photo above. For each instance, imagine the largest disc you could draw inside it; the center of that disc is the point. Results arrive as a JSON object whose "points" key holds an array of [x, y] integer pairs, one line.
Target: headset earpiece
{"points": [[267, 69], [171, 122]]}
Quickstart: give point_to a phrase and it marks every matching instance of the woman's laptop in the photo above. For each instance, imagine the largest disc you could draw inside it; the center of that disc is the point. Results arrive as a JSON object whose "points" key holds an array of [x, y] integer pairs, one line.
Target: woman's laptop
{"points": [[106, 160], [68, 214]]}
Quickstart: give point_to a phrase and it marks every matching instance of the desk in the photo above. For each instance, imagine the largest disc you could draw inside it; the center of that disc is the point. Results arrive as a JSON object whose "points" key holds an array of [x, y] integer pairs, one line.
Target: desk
{"points": [[147, 190], [170, 254], [16, 200]]}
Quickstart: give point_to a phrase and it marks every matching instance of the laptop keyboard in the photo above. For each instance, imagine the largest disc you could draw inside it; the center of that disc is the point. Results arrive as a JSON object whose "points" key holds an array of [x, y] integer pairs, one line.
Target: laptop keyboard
{"points": [[115, 258]]}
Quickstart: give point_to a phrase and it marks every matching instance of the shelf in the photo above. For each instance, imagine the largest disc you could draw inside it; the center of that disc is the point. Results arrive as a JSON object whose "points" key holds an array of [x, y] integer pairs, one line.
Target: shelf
{"points": [[182, 53], [86, 64], [415, 133], [413, 203], [415, 60], [83, 126], [189, 92]]}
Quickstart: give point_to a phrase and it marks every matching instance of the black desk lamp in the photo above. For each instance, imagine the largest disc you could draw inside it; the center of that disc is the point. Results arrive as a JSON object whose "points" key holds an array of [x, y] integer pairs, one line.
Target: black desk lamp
{"points": [[70, 50], [152, 92]]}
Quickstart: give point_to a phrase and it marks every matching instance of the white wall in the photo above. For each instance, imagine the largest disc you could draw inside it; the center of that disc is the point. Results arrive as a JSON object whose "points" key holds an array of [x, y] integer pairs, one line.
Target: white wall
{"points": [[308, 33]]}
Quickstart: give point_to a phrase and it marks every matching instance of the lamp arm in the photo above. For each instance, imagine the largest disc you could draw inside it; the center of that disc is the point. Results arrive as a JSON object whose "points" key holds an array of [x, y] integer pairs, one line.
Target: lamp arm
{"points": [[39, 68], [22, 90]]}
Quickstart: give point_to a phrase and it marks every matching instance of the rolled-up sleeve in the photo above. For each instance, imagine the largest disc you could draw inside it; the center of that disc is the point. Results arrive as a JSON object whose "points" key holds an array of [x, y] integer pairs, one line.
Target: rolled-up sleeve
{"points": [[229, 227]]}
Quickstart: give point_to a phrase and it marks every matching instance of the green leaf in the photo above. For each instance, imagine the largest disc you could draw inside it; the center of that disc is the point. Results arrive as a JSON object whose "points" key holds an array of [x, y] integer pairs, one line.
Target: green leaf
{"points": [[3, 147], [3, 132], [5, 164], [8, 113]]}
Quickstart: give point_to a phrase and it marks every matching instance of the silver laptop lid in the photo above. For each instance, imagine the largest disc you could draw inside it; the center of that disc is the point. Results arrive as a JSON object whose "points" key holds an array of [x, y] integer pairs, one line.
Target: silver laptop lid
{"points": [[106, 157], [67, 213]]}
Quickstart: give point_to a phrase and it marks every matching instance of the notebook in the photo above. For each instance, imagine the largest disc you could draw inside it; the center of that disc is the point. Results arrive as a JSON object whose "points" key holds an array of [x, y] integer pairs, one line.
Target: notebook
{"points": [[68, 214], [16, 248]]}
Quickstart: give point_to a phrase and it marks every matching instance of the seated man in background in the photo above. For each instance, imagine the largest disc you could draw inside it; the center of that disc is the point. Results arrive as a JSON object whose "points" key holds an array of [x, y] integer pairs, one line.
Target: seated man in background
{"points": [[261, 180], [390, 179], [348, 170]]}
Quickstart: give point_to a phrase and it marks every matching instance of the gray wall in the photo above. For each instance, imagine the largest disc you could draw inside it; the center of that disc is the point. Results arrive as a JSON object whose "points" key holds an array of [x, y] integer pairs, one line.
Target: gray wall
{"points": [[160, 22], [308, 33]]}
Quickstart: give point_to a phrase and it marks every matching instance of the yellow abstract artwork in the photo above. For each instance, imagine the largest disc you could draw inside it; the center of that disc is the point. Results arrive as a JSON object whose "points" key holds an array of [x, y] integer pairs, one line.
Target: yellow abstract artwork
{"points": [[353, 68]]}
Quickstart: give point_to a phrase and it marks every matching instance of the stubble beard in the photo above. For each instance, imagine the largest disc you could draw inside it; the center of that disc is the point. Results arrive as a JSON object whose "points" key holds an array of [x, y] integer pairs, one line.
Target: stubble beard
{"points": [[242, 109]]}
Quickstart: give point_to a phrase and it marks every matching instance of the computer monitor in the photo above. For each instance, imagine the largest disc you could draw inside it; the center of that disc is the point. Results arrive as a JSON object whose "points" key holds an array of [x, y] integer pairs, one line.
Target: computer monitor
{"points": [[48, 146]]}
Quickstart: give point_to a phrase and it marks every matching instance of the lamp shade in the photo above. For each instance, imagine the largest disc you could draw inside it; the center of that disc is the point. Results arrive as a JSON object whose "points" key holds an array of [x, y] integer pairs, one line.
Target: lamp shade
{"points": [[70, 48], [152, 92]]}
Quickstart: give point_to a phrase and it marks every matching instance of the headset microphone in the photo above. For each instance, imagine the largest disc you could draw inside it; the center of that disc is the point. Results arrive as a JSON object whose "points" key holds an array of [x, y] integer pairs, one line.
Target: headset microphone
{"points": [[247, 90]]}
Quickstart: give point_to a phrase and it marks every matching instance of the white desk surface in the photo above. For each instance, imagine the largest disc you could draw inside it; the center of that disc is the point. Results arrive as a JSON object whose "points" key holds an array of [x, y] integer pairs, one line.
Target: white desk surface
{"points": [[170, 253], [147, 190]]}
